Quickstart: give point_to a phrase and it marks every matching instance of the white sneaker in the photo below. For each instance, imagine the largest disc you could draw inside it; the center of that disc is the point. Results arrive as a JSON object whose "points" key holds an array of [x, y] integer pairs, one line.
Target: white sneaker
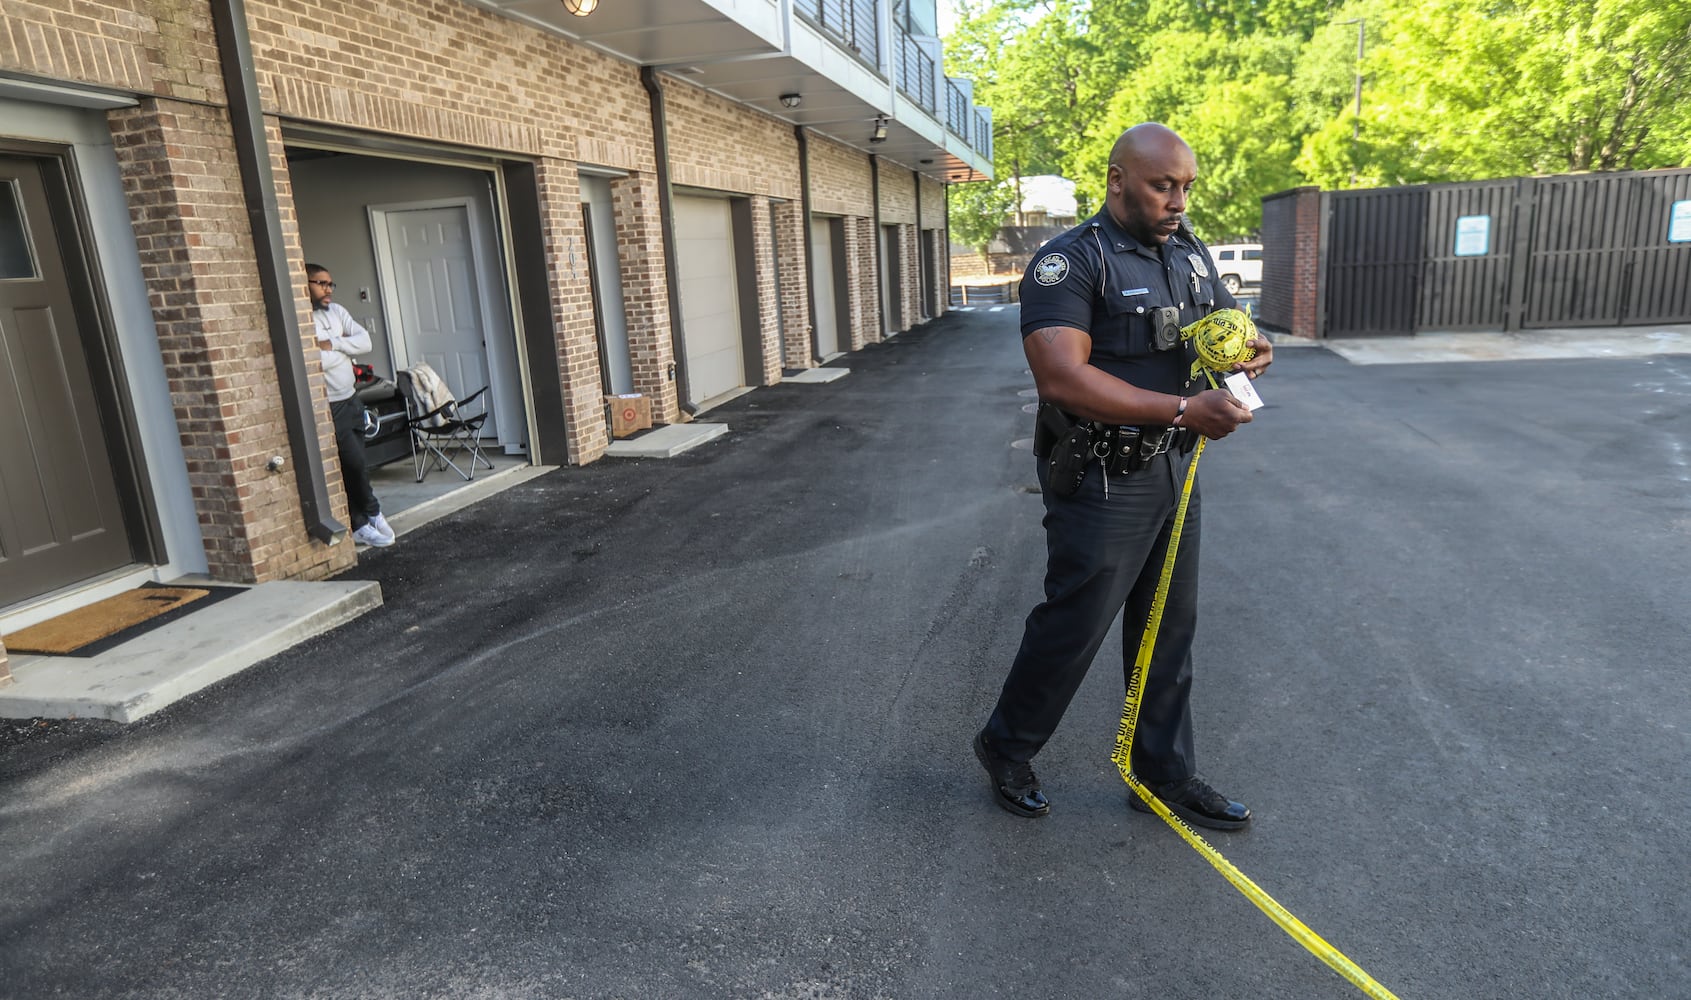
{"points": [[382, 525], [370, 536]]}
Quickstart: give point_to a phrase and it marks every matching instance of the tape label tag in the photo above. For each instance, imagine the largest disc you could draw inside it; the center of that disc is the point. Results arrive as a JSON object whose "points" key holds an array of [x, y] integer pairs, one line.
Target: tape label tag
{"points": [[1240, 385]]}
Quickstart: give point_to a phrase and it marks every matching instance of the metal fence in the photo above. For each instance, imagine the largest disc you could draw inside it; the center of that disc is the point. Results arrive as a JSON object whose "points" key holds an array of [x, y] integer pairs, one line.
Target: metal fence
{"points": [[1609, 249], [916, 72], [956, 109], [852, 23]]}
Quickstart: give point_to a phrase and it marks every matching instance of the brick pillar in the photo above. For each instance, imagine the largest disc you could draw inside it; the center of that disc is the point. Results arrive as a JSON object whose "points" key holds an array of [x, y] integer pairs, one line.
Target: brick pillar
{"points": [[910, 271], [1291, 278], [942, 293], [862, 272], [1306, 280], [183, 188], [645, 292], [576, 363], [795, 280], [768, 298]]}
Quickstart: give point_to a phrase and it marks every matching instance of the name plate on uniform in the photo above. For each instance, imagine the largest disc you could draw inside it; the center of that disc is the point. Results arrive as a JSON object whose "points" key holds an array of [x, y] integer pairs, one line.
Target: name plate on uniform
{"points": [[1240, 385]]}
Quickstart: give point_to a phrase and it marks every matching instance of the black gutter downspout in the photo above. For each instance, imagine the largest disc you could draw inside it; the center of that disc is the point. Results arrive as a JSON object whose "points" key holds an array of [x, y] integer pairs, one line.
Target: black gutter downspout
{"points": [[880, 248], [945, 247], [921, 279], [666, 221], [258, 187], [809, 243]]}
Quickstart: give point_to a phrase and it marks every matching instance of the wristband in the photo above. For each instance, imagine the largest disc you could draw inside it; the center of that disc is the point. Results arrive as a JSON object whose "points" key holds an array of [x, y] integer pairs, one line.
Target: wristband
{"points": [[1179, 413]]}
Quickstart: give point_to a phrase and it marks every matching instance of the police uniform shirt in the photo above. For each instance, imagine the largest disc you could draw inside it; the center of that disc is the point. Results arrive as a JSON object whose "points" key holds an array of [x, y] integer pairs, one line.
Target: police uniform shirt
{"points": [[1098, 279]]}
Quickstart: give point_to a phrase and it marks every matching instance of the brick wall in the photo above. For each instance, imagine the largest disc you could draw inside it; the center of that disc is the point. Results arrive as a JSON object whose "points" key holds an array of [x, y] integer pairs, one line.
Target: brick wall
{"points": [[839, 179], [645, 292], [768, 298], [795, 277], [933, 204], [935, 242], [898, 193], [163, 49]]}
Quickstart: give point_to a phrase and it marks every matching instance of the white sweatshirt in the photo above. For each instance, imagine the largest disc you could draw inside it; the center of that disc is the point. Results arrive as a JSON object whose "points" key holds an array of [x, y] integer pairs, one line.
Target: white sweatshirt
{"points": [[345, 339]]}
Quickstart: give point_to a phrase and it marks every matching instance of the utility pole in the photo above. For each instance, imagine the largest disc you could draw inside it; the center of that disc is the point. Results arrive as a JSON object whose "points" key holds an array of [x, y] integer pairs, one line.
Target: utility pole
{"points": [[1356, 123]]}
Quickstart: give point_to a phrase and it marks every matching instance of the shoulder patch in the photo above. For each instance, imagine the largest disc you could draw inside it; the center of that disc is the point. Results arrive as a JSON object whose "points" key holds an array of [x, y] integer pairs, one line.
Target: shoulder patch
{"points": [[1052, 268]]}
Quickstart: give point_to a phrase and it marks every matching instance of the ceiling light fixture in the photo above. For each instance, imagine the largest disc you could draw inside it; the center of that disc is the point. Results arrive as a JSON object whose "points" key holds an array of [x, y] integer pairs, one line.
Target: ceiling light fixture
{"points": [[581, 8], [791, 100], [880, 133]]}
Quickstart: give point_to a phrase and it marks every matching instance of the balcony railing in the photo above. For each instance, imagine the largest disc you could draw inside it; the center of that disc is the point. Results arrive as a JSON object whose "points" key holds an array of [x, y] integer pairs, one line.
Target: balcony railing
{"points": [[956, 108], [854, 24], [916, 72], [983, 135]]}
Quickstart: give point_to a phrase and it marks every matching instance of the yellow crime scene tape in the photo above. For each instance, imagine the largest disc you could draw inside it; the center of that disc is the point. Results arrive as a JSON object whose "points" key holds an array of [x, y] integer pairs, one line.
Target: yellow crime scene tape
{"points": [[1221, 340]]}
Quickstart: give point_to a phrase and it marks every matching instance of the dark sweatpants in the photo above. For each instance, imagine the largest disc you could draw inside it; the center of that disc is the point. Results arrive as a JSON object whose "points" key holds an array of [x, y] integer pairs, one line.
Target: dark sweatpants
{"points": [[355, 472], [1104, 553]]}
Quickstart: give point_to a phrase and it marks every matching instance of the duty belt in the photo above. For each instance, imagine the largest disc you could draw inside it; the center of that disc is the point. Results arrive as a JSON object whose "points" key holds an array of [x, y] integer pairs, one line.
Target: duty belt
{"points": [[1126, 449]]}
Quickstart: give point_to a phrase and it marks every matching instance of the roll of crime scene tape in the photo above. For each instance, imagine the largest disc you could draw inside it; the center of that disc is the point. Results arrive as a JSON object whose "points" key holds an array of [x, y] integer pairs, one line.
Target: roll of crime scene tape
{"points": [[1222, 339]]}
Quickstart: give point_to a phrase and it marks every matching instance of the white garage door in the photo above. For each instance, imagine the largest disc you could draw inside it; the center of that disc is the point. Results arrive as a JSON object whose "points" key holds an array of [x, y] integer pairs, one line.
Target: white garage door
{"points": [[710, 303]]}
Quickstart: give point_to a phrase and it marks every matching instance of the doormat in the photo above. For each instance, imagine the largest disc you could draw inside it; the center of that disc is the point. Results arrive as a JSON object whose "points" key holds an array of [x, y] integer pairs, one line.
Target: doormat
{"points": [[91, 630]]}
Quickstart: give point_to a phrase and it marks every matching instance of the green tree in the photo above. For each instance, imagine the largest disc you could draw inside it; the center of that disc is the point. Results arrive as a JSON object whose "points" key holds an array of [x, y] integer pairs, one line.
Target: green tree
{"points": [[977, 211]]}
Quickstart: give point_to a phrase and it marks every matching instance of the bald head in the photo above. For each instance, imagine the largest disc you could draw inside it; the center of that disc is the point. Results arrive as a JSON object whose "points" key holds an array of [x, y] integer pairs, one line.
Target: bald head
{"points": [[1151, 171]]}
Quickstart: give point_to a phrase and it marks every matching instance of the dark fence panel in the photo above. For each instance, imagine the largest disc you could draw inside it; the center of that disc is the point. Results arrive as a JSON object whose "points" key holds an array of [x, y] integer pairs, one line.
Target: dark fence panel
{"points": [[1660, 286], [1581, 240], [1464, 284], [1374, 256], [1280, 247]]}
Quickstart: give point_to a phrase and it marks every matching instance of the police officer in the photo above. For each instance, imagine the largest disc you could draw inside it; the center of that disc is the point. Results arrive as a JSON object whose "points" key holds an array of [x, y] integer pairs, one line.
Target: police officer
{"points": [[1101, 309]]}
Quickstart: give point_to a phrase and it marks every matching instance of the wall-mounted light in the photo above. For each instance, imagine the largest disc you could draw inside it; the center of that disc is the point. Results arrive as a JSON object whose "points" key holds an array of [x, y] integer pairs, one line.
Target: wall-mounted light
{"points": [[880, 133], [791, 100], [581, 8]]}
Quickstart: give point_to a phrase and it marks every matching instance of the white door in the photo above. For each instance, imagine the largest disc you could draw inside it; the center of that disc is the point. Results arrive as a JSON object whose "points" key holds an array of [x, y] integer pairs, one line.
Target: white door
{"points": [[439, 298], [826, 320], [710, 300]]}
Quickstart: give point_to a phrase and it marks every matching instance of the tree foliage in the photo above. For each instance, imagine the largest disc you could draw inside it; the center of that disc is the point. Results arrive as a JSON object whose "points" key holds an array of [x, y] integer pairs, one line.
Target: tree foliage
{"points": [[1263, 90]]}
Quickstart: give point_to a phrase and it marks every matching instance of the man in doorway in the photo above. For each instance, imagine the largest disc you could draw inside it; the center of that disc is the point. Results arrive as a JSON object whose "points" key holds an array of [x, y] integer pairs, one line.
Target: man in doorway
{"points": [[1102, 307], [339, 340]]}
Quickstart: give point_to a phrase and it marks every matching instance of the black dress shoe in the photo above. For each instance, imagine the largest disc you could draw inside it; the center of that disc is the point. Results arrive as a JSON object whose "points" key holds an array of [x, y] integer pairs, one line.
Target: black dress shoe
{"points": [[1196, 803], [1013, 783]]}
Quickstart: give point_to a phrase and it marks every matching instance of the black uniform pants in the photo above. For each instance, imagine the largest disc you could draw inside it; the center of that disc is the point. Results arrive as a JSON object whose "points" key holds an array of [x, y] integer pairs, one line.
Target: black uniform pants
{"points": [[1103, 554], [355, 471]]}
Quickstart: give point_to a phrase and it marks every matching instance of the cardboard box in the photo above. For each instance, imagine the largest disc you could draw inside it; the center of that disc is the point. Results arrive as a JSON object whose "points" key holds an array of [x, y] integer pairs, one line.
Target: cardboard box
{"points": [[630, 412]]}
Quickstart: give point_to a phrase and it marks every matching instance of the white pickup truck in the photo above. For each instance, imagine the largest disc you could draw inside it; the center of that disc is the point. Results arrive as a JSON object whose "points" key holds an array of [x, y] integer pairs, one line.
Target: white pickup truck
{"points": [[1238, 264]]}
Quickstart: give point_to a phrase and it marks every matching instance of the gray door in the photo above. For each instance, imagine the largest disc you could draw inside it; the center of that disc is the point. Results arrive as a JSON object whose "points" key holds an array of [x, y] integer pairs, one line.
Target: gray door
{"points": [[710, 299], [61, 519], [892, 318], [439, 298], [827, 319]]}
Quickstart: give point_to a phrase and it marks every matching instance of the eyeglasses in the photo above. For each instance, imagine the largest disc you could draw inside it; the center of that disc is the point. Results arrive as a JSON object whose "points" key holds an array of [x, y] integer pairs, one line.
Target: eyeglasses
{"points": [[325, 284]]}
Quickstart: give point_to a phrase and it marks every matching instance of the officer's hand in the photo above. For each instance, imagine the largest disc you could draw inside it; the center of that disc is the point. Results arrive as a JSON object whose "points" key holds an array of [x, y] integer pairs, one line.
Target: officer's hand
{"points": [[1258, 364], [1214, 413]]}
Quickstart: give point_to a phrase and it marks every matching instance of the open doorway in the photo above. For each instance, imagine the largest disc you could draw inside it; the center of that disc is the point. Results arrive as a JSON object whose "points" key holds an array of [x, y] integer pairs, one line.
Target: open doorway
{"points": [[415, 251]]}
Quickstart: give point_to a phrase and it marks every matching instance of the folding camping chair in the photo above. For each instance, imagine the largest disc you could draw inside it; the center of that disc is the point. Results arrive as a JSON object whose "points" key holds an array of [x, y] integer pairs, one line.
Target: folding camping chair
{"points": [[440, 429]]}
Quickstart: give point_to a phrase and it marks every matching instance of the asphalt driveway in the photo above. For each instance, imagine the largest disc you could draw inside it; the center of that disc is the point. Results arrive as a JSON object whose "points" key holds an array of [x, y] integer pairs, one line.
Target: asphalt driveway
{"points": [[700, 728]]}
